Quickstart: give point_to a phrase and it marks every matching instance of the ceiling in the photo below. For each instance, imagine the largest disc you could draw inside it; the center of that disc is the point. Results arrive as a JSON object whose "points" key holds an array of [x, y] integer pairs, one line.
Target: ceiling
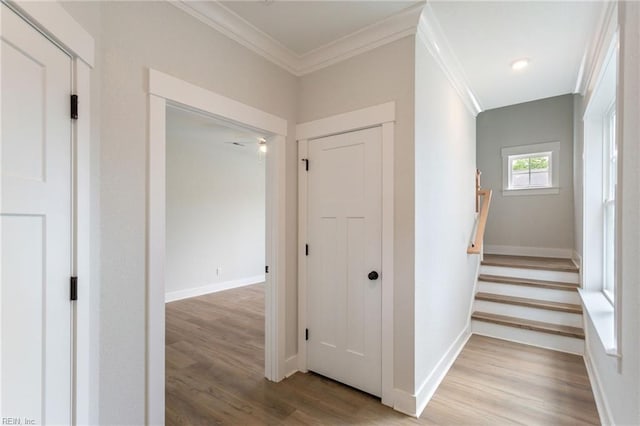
{"points": [[479, 39], [182, 123], [303, 26], [486, 37]]}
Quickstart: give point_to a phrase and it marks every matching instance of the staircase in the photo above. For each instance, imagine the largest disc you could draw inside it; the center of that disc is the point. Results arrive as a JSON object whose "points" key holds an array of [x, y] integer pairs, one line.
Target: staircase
{"points": [[531, 300]]}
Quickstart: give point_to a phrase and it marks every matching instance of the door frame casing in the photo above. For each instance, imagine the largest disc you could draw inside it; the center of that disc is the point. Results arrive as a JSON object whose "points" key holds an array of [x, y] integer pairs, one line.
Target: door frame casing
{"points": [[57, 25], [383, 116], [164, 90]]}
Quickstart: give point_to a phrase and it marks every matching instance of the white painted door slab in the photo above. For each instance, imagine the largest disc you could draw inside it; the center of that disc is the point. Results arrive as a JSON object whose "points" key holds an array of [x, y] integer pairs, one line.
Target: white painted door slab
{"points": [[35, 228], [344, 221]]}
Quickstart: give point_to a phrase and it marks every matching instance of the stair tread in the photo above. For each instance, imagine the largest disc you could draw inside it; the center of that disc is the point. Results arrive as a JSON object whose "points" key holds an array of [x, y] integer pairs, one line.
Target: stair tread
{"points": [[529, 302], [528, 282], [545, 327], [530, 262]]}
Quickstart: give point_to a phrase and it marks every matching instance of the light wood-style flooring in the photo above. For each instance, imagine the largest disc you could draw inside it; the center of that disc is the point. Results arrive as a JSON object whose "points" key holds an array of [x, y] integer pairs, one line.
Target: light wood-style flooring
{"points": [[215, 366]]}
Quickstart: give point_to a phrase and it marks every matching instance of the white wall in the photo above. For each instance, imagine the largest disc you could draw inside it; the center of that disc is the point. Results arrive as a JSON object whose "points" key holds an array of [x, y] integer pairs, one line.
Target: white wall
{"points": [[215, 211], [539, 121], [134, 36], [445, 165], [378, 76], [618, 381]]}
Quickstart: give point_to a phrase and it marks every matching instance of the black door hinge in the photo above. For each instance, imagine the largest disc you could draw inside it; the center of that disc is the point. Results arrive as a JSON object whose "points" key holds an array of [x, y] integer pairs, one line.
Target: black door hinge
{"points": [[73, 288], [306, 249], [306, 163], [74, 107], [266, 269], [306, 334]]}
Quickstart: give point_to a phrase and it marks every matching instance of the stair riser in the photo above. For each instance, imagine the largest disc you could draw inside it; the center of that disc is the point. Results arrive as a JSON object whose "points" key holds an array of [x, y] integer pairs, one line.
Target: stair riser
{"points": [[524, 312], [529, 337], [529, 292], [536, 274]]}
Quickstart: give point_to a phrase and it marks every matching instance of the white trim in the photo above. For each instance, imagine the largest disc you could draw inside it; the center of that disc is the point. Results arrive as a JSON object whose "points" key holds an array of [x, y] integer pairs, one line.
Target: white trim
{"points": [[232, 25], [347, 122], [303, 149], [179, 91], [414, 405], [155, 267], [431, 34], [291, 366], [380, 115], [53, 20], [601, 314], [431, 383], [530, 191], [602, 404], [227, 22], [86, 336], [187, 293], [562, 253], [163, 90], [60, 28], [592, 57], [378, 34]]}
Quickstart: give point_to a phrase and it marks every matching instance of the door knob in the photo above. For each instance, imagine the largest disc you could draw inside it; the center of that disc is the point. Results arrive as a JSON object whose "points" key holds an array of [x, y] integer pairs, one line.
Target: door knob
{"points": [[373, 275]]}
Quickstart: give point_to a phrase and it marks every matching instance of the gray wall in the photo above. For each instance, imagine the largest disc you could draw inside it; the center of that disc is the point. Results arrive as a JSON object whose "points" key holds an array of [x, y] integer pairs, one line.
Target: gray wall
{"points": [[445, 165], [510, 222], [381, 75], [133, 36], [215, 210]]}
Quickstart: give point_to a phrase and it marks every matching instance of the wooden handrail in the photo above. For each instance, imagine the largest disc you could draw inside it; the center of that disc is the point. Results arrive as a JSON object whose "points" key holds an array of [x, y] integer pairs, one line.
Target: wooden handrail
{"points": [[476, 246]]}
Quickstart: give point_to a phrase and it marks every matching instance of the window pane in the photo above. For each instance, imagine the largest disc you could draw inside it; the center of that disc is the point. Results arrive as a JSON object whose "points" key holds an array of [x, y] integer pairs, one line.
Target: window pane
{"points": [[520, 180], [539, 163], [540, 178], [521, 164]]}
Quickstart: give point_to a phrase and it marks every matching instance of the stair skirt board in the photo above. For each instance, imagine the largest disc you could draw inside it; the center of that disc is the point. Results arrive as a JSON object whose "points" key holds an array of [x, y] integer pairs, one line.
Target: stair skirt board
{"points": [[525, 312], [536, 274], [529, 292], [529, 337]]}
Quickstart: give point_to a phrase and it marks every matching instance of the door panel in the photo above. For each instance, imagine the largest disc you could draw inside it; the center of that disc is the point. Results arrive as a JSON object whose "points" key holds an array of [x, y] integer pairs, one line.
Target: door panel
{"points": [[344, 222], [35, 226]]}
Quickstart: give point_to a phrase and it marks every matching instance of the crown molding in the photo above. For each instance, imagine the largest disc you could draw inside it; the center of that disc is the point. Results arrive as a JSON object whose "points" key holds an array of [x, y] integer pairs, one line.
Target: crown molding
{"points": [[430, 33], [378, 34], [227, 22], [596, 50], [238, 29]]}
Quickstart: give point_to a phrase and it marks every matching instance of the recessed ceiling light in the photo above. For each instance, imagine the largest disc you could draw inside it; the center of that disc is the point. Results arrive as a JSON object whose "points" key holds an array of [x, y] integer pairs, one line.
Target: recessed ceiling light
{"points": [[520, 64]]}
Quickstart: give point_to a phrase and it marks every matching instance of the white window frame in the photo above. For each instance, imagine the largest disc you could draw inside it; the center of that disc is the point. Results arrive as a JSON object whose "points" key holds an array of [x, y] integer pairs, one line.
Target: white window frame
{"points": [[552, 149], [609, 162]]}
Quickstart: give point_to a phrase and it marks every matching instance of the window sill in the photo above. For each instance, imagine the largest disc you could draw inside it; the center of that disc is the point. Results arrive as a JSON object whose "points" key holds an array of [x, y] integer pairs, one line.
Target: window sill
{"points": [[601, 314], [531, 191]]}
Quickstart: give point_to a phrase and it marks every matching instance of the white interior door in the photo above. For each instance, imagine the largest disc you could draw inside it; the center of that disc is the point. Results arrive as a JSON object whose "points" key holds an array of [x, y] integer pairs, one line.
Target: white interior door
{"points": [[344, 220], [35, 228]]}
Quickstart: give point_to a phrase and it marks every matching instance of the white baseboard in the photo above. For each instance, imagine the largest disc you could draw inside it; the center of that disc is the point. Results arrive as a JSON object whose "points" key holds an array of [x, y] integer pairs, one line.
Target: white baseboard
{"points": [[430, 385], [598, 393], [291, 366], [414, 405], [565, 253], [172, 296], [404, 402]]}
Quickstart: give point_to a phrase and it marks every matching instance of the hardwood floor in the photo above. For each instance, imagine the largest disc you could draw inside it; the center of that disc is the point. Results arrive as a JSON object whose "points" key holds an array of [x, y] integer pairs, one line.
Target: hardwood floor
{"points": [[215, 366]]}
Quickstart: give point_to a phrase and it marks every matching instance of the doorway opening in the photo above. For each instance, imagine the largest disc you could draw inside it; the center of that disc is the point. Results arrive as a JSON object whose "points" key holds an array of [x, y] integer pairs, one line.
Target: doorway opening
{"points": [[167, 91], [215, 262]]}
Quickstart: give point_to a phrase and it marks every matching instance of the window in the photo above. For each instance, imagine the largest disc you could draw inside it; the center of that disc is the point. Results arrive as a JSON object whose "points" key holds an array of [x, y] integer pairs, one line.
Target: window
{"points": [[609, 180], [531, 169]]}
